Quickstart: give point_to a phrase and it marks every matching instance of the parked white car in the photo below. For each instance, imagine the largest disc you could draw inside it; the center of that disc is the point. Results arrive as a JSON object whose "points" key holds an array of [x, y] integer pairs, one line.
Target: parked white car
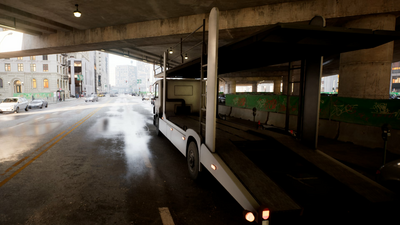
{"points": [[14, 104]]}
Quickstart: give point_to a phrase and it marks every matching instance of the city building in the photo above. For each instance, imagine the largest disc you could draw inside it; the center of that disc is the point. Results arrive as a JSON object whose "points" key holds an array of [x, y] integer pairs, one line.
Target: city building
{"points": [[330, 84], [102, 72], [40, 76], [395, 81], [81, 66], [126, 78], [145, 77]]}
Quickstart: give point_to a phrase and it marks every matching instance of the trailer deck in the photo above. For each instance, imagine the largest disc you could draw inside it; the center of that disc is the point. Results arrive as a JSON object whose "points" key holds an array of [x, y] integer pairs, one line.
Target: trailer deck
{"points": [[286, 176]]}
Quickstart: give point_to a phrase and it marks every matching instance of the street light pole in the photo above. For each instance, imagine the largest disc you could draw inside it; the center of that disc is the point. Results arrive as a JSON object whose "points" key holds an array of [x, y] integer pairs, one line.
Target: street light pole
{"points": [[5, 37]]}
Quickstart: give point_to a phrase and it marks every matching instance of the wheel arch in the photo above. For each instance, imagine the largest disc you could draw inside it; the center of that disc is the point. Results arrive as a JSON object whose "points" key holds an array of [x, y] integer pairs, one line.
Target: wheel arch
{"points": [[193, 136]]}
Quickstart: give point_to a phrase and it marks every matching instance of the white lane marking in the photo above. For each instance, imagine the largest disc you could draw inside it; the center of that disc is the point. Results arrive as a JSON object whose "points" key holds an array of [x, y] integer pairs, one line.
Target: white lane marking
{"points": [[166, 216]]}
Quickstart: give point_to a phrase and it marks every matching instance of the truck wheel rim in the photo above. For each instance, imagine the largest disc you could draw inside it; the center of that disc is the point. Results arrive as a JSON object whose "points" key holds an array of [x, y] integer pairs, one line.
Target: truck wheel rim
{"points": [[191, 159]]}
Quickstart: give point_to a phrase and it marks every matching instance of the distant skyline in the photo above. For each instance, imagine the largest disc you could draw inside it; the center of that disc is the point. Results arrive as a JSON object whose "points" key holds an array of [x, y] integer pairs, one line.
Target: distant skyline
{"points": [[115, 61]]}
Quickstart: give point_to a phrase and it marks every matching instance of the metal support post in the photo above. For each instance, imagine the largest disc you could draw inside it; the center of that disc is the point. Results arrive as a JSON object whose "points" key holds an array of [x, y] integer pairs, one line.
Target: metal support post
{"points": [[310, 109]]}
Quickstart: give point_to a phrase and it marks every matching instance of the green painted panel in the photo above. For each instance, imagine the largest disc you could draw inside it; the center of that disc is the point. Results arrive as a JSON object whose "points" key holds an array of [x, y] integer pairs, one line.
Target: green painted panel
{"points": [[28, 96], [369, 112], [324, 107], [263, 102], [360, 111]]}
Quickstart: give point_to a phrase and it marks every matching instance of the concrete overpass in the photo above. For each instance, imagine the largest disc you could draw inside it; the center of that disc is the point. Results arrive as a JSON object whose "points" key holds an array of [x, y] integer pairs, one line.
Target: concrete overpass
{"points": [[144, 30]]}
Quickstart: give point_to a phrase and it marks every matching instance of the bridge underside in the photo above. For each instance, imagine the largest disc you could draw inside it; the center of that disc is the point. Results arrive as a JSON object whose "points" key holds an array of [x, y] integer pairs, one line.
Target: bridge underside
{"points": [[145, 32]]}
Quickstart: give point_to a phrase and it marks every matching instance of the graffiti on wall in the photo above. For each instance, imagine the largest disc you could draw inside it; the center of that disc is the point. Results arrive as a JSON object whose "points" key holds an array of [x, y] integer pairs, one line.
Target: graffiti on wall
{"points": [[369, 112]]}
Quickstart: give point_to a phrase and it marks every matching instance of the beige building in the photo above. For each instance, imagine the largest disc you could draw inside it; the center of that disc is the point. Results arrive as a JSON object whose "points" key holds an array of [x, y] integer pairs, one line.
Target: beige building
{"points": [[39, 76]]}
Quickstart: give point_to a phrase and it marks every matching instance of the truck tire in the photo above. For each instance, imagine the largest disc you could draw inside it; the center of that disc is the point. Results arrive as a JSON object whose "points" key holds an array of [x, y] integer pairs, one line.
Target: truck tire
{"points": [[193, 160]]}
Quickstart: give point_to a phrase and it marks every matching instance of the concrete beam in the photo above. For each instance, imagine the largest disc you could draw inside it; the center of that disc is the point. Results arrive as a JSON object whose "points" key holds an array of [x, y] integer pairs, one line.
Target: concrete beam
{"points": [[125, 35]]}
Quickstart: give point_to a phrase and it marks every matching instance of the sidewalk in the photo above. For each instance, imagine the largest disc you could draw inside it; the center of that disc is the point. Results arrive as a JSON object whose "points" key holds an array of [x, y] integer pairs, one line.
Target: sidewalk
{"points": [[66, 100]]}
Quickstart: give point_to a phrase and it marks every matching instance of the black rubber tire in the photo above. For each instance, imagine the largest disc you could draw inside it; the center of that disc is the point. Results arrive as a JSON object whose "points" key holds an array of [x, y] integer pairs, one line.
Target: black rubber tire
{"points": [[47, 105], [41, 106], [16, 110], [26, 108], [193, 160]]}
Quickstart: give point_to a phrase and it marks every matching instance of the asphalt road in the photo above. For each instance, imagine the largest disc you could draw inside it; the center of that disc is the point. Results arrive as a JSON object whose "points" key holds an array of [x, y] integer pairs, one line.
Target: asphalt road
{"points": [[101, 163]]}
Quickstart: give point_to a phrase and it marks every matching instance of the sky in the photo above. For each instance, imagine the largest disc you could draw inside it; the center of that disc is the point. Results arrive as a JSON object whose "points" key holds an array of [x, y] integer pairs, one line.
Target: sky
{"points": [[114, 61]]}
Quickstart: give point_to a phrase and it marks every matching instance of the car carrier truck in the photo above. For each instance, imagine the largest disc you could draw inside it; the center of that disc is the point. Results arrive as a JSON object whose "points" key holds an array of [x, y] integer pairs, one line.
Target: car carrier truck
{"points": [[185, 112]]}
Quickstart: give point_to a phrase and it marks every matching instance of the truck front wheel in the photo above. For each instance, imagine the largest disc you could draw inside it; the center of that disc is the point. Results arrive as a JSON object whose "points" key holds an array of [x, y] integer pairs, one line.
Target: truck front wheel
{"points": [[193, 160]]}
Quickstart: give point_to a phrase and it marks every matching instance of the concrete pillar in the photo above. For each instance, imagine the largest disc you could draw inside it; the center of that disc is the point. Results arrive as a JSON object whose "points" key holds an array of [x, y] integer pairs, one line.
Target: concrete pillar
{"points": [[277, 86], [232, 88], [284, 85], [366, 73], [254, 87]]}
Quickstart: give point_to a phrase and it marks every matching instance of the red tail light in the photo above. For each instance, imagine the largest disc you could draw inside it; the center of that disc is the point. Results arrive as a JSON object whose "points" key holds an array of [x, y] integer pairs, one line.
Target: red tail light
{"points": [[265, 214]]}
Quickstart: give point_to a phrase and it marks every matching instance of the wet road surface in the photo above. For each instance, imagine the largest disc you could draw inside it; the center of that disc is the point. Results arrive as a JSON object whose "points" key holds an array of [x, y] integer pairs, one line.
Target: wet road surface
{"points": [[101, 163]]}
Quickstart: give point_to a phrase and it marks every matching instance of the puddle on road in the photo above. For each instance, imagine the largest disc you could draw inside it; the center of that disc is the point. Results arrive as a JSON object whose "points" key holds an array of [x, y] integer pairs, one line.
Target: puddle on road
{"points": [[21, 130], [123, 123], [21, 138], [12, 147]]}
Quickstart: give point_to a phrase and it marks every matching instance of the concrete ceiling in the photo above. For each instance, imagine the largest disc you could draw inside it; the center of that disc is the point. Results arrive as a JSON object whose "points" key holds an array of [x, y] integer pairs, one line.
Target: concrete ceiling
{"points": [[43, 17], [48, 16]]}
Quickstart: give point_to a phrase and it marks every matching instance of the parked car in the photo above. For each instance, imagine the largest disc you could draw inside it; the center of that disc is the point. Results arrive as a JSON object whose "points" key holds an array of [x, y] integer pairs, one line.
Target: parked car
{"points": [[92, 98], [38, 103], [100, 95], [389, 175], [13, 104], [113, 95]]}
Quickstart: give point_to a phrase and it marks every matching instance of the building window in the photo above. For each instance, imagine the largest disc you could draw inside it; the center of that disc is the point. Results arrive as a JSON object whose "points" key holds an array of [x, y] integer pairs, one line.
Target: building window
{"points": [[45, 67], [45, 83], [33, 57], [20, 58], [44, 57], [58, 83], [20, 67], [33, 67], [34, 83], [1, 83], [7, 67]]}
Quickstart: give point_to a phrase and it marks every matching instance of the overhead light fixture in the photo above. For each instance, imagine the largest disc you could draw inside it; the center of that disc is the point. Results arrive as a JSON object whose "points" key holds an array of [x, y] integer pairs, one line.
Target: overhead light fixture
{"points": [[102, 50], [77, 13], [170, 51], [9, 82], [186, 57], [126, 56]]}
